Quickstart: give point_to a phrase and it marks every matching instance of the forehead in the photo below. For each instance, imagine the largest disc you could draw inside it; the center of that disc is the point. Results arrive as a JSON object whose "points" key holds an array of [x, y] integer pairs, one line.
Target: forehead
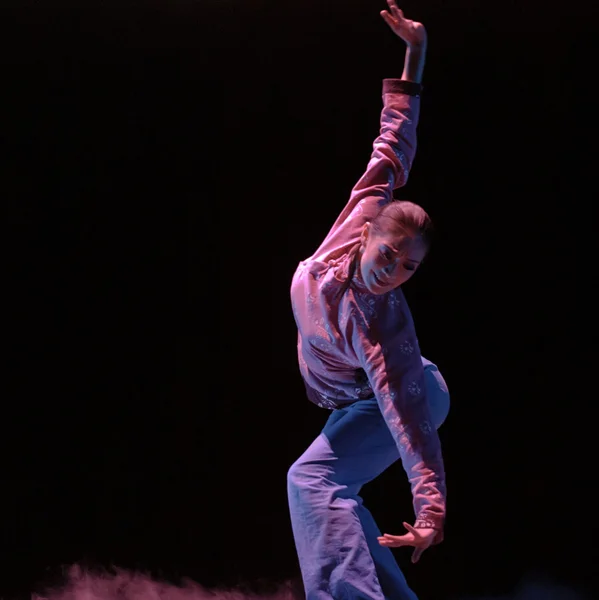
{"points": [[412, 248]]}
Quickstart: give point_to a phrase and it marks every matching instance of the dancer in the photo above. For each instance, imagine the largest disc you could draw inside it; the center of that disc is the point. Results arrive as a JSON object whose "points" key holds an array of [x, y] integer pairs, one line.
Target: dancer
{"points": [[359, 357]]}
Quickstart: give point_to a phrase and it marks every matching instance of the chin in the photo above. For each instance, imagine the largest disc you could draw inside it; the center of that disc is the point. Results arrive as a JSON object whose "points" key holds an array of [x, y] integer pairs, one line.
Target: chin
{"points": [[377, 290]]}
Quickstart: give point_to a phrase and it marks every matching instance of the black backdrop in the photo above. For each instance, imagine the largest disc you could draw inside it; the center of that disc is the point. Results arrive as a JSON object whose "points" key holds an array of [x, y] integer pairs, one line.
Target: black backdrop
{"points": [[167, 166]]}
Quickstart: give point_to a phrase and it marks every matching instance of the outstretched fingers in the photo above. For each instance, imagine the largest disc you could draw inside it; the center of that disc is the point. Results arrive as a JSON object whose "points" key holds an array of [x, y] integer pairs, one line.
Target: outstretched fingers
{"points": [[417, 554], [411, 529], [388, 19], [396, 541], [395, 10]]}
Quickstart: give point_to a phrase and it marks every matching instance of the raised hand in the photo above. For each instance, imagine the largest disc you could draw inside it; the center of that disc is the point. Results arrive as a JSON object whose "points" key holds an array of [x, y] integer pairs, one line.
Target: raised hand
{"points": [[411, 32], [420, 539]]}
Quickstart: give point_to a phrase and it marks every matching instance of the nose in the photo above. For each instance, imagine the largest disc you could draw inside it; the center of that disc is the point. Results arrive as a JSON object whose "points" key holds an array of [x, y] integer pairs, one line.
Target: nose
{"points": [[390, 268]]}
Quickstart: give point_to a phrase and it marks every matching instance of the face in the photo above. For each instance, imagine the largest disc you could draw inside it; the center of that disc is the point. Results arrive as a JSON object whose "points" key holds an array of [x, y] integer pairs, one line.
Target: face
{"points": [[387, 261]]}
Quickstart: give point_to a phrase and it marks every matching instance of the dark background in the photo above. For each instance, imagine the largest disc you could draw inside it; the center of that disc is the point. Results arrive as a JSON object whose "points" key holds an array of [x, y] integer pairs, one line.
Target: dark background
{"points": [[166, 166]]}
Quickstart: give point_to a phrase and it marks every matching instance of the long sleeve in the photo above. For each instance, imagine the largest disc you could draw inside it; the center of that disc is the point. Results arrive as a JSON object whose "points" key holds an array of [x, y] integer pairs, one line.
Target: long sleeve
{"points": [[392, 362], [388, 169]]}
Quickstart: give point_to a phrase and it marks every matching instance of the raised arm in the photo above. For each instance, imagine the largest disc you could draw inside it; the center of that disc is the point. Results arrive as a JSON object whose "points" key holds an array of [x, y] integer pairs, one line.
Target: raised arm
{"points": [[394, 148], [414, 35]]}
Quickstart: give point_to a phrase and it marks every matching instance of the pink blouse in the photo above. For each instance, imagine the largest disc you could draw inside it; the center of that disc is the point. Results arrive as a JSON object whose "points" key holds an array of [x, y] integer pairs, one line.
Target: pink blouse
{"points": [[344, 334]]}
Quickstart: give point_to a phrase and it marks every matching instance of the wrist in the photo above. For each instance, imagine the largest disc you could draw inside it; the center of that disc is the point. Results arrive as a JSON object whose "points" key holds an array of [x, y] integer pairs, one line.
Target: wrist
{"points": [[417, 48], [414, 63]]}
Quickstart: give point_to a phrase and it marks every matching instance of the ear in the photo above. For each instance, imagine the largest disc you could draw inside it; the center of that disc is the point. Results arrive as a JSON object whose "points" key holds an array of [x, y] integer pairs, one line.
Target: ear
{"points": [[364, 235]]}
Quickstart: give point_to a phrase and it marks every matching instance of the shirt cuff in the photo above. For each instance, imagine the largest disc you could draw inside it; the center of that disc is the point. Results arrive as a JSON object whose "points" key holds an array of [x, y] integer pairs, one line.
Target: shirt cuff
{"points": [[437, 525], [429, 522], [401, 86]]}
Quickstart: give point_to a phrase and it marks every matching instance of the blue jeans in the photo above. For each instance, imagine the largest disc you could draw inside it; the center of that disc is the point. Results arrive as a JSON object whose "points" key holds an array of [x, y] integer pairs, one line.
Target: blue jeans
{"points": [[335, 534]]}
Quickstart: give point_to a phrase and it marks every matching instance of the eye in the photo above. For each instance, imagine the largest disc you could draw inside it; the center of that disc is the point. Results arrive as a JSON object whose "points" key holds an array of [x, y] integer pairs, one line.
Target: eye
{"points": [[385, 253], [409, 267]]}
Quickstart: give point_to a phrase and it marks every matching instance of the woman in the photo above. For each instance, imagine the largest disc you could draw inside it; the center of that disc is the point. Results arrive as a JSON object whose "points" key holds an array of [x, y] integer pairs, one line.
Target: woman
{"points": [[359, 356]]}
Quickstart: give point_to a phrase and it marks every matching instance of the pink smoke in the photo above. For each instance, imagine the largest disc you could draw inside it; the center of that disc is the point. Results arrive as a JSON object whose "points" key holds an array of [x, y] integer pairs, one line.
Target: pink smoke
{"points": [[127, 585]]}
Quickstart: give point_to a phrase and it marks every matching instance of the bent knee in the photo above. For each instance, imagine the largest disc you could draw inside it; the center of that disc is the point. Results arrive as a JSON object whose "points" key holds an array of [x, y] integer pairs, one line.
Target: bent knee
{"points": [[300, 473], [294, 474], [314, 469], [439, 406], [437, 393], [303, 484]]}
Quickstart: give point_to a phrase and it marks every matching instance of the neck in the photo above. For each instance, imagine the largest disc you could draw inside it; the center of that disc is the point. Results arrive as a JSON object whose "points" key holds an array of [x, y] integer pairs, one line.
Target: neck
{"points": [[352, 269]]}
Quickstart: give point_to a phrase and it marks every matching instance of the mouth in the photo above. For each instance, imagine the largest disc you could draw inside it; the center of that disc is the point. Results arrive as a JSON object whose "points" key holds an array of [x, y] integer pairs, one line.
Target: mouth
{"points": [[378, 281]]}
